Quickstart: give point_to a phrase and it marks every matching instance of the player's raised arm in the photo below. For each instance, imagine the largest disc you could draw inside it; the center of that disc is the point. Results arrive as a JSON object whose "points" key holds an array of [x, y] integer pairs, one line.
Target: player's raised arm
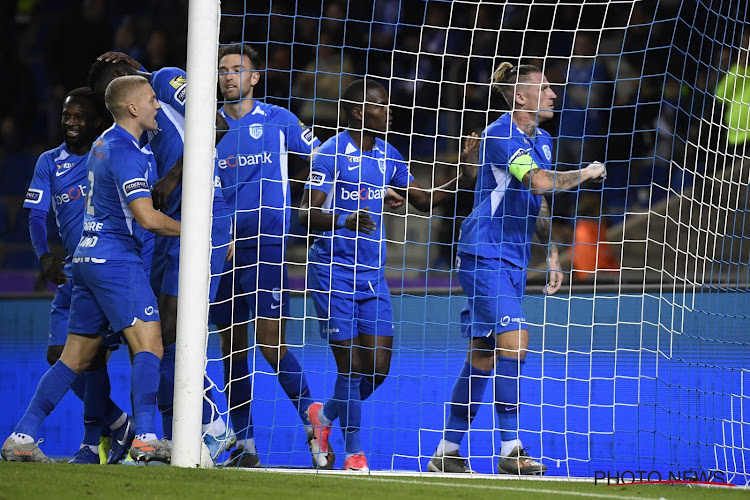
{"points": [[424, 199]]}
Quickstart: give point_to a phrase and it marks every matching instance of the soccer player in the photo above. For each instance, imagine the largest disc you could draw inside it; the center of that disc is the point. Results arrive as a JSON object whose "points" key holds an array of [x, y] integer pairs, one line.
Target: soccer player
{"points": [[170, 86], [252, 160], [110, 285], [493, 254], [60, 181], [349, 183]]}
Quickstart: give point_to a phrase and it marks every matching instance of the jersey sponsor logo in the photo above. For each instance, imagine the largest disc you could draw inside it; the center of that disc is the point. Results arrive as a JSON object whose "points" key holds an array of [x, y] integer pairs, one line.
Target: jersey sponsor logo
{"points": [[178, 81], [354, 159], [63, 169], [547, 152], [132, 186], [507, 320], [316, 178], [88, 241], [245, 160], [365, 193], [97, 154], [308, 137], [149, 311], [256, 130], [92, 225], [34, 196], [73, 194]]}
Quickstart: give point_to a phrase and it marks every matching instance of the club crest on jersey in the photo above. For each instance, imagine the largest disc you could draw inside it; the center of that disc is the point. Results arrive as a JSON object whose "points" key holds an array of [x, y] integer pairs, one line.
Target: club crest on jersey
{"points": [[276, 294], [547, 152], [256, 130], [381, 165]]}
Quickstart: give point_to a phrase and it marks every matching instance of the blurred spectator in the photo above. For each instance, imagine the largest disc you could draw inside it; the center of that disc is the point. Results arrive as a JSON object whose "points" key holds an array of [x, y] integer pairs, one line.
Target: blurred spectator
{"points": [[128, 39], [591, 251], [583, 120], [320, 84], [79, 36], [17, 100], [157, 51]]}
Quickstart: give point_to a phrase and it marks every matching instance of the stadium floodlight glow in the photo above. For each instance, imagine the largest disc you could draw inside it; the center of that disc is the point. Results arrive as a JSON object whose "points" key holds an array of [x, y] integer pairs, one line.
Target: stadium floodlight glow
{"points": [[195, 239]]}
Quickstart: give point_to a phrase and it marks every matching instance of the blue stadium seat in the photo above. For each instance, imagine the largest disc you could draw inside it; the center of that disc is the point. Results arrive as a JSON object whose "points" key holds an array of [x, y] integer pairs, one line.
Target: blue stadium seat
{"points": [[18, 169], [20, 259]]}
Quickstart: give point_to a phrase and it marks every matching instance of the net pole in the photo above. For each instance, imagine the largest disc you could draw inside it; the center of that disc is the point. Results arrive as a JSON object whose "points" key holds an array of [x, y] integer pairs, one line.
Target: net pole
{"points": [[195, 239]]}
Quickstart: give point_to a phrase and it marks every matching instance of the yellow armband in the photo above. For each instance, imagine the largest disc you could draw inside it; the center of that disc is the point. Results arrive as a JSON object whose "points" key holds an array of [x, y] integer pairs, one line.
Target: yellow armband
{"points": [[521, 165]]}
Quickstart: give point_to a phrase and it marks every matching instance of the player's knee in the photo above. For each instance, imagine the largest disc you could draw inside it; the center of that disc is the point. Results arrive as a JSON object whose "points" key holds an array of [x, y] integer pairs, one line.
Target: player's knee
{"points": [[99, 361], [273, 354], [53, 353]]}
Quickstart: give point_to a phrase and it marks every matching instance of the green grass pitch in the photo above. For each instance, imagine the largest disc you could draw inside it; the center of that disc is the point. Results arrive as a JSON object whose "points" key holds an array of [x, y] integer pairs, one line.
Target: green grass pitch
{"points": [[63, 481]]}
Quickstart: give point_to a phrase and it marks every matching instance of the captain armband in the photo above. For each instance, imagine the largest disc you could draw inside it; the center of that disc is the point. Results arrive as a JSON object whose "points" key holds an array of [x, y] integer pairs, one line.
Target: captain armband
{"points": [[521, 165]]}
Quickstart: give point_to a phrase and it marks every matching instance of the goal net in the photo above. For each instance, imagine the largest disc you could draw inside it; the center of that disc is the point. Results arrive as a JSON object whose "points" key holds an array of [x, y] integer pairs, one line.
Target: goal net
{"points": [[640, 361]]}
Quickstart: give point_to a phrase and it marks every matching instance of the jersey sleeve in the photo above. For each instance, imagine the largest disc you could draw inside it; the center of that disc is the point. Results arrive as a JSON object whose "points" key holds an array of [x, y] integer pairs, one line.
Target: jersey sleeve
{"points": [[322, 172], [299, 137], [401, 176], [131, 175], [170, 86], [38, 195]]}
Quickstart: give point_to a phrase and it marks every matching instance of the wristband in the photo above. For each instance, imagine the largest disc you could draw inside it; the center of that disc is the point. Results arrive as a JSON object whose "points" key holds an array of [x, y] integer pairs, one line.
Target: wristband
{"points": [[341, 221]]}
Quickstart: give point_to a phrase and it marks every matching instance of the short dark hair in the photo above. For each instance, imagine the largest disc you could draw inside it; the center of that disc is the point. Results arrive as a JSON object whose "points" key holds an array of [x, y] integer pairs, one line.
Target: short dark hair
{"points": [[241, 49], [355, 94], [102, 69]]}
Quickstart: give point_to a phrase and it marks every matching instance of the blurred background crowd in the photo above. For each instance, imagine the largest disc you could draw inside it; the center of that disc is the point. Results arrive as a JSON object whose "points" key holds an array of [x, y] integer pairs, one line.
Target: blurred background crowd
{"points": [[635, 84]]}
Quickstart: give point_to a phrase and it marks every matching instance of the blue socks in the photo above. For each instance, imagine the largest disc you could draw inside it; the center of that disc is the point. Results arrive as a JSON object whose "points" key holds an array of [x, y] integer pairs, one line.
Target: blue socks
{"points": [[53, 385], [239, 393], [166, 389], [366, 388], [294, 383], [209, 403], [347, 399], [144, 385], [468, 393], [506, 397], [95, 404]]}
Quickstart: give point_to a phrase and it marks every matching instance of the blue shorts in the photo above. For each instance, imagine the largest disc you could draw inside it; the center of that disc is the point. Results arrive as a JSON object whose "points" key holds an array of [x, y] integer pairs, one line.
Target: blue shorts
{"points": [[60, 311], [345, 310], [494, 291], [147, 252], [109, 293], [254, 281], [165, 269]]}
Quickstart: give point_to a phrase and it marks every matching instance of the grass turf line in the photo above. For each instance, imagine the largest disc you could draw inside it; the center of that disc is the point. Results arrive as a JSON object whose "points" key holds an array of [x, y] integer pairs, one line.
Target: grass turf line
{"points": [[64, 481]]}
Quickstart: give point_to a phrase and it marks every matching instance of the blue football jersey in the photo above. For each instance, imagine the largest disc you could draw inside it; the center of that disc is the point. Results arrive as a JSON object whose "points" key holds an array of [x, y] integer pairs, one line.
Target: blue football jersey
{"points": [[119, 171], [60, 181], [501, 224], [167, 142], [254, 173], [353, 180]]}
